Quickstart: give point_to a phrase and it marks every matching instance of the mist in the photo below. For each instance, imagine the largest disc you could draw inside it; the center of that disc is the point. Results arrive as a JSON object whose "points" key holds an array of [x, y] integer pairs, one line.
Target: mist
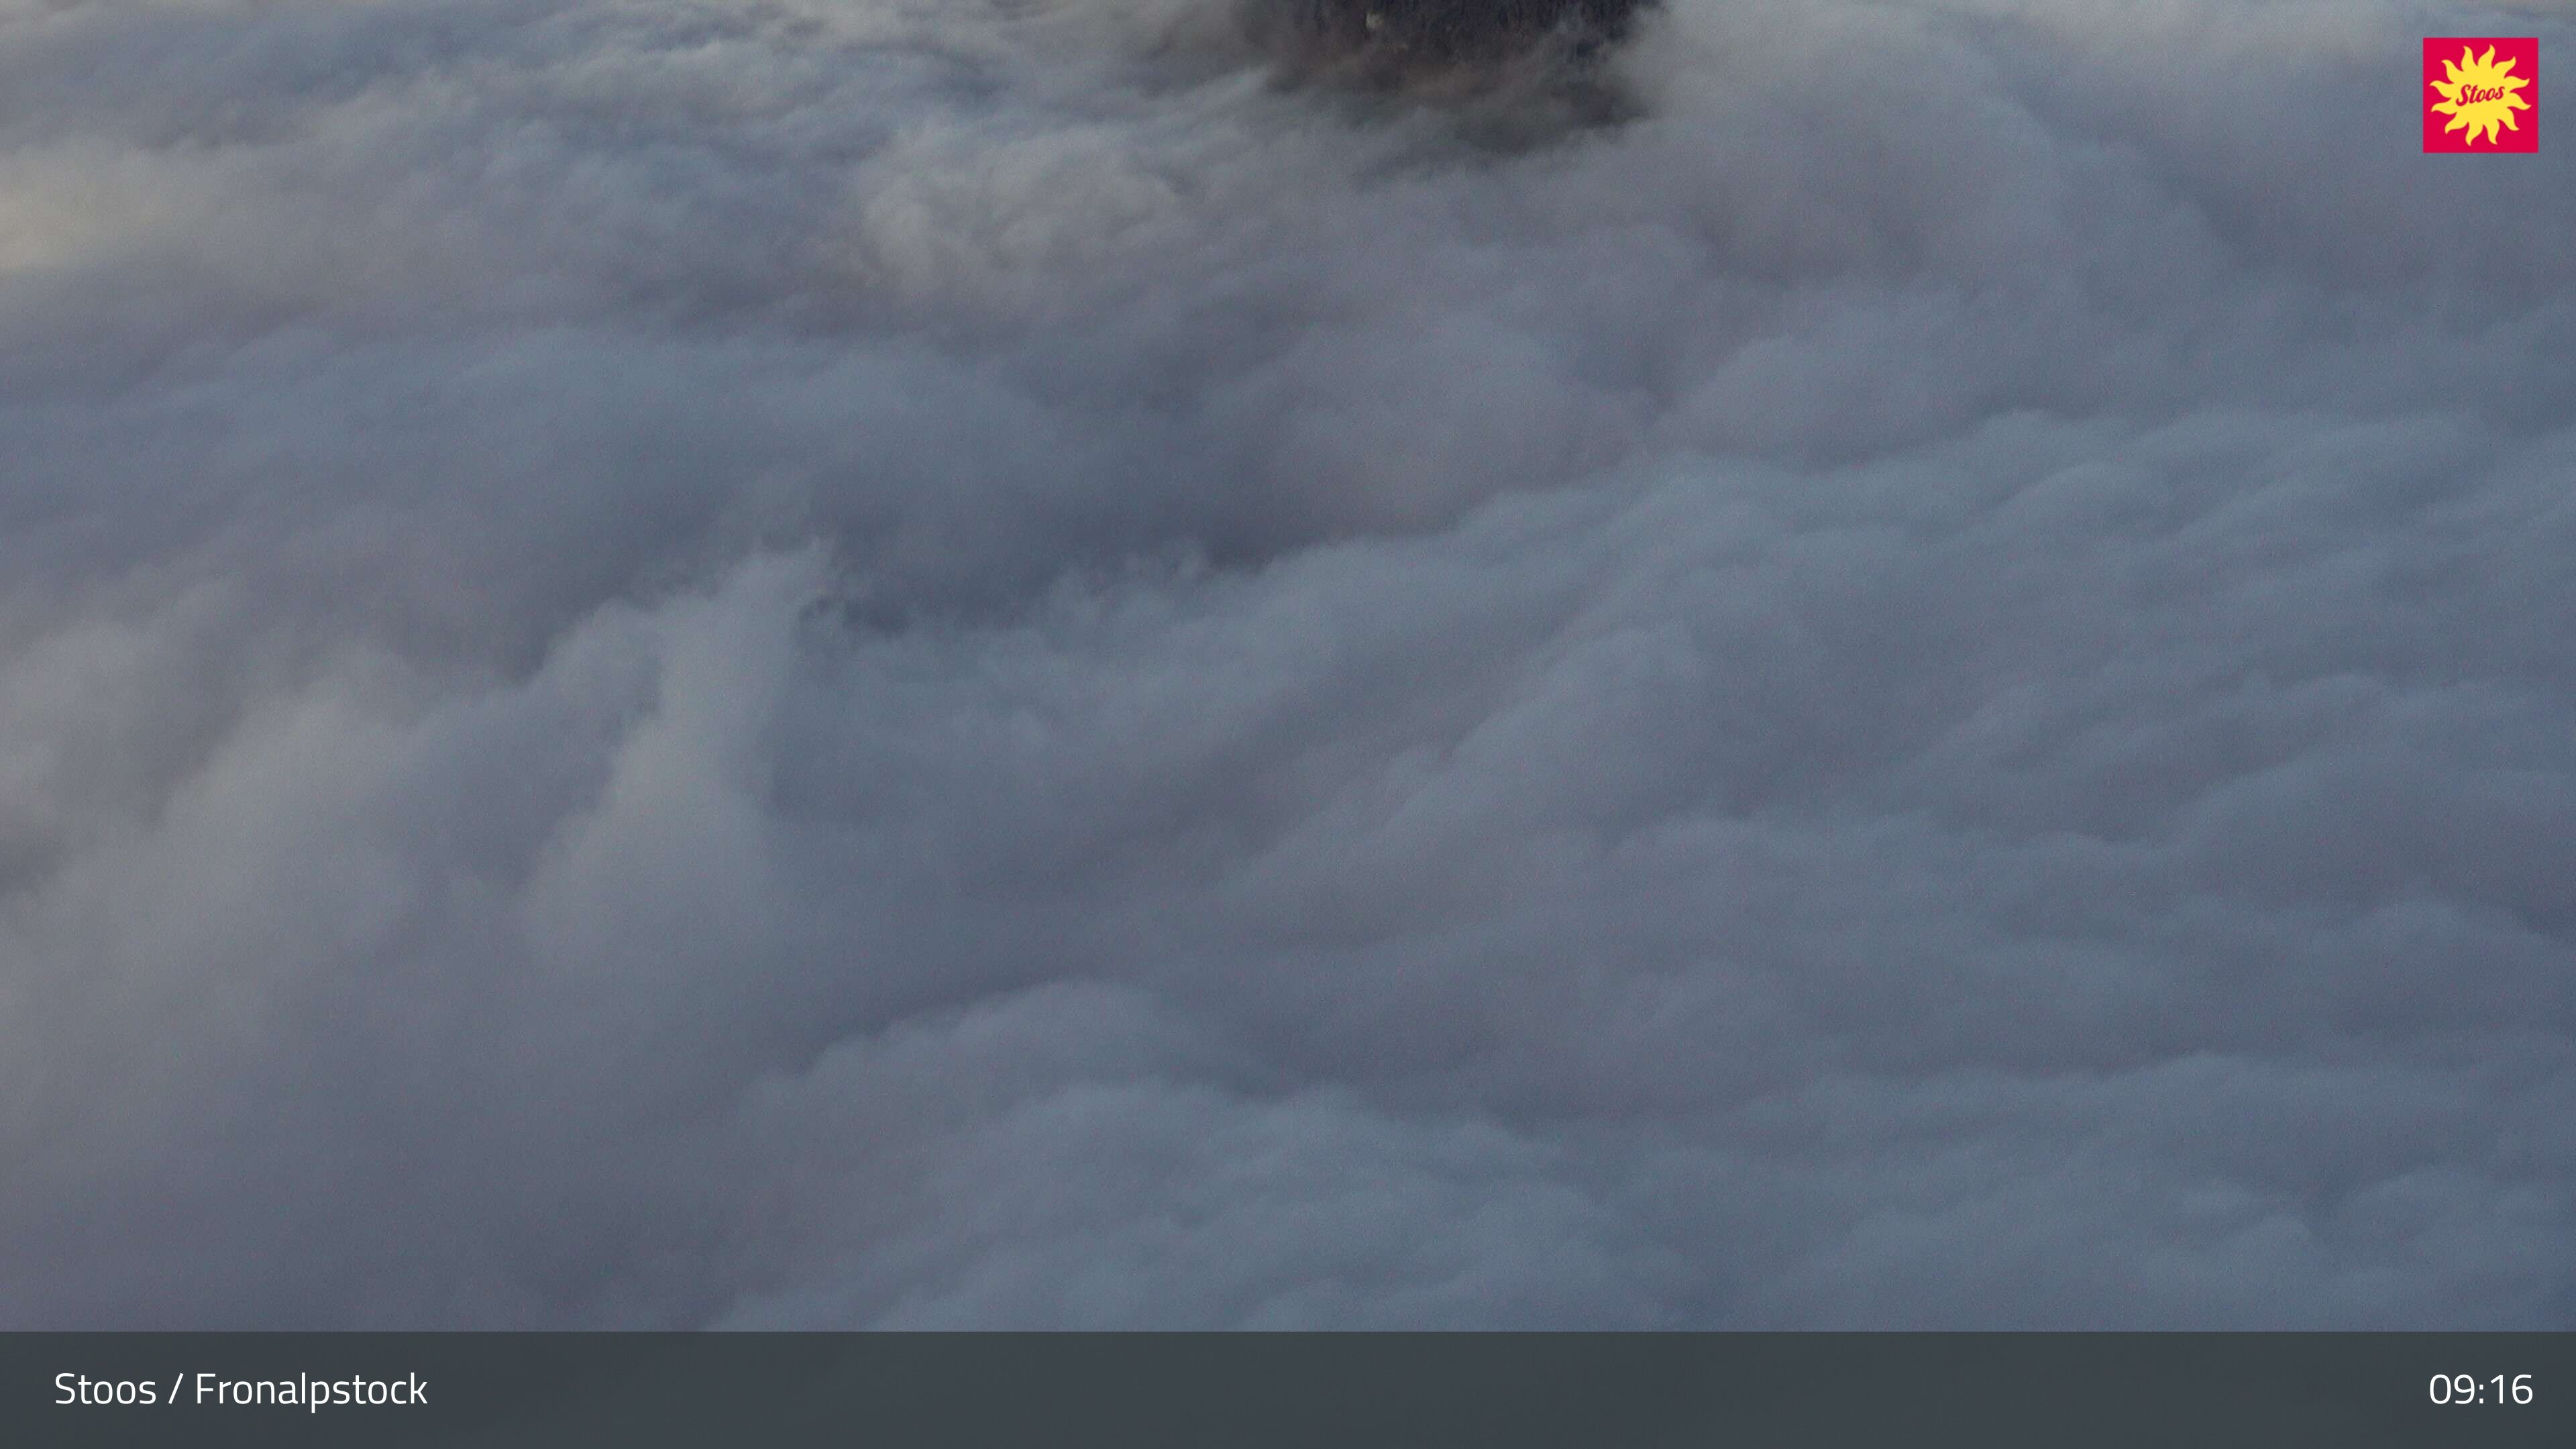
{"points": [[943, 663]]}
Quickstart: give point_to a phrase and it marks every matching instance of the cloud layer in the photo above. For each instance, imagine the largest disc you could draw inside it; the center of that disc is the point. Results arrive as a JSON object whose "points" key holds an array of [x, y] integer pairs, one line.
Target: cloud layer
{"points": [[921, 662]]}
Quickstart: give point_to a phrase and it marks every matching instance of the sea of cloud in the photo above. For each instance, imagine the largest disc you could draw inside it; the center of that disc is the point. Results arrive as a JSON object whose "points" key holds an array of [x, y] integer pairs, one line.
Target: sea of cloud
{"points": [[948, 662]]}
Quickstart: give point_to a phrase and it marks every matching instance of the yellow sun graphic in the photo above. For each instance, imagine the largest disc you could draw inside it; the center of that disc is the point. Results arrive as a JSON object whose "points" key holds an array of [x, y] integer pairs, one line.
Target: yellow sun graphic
{"points": [[2480, 94]]}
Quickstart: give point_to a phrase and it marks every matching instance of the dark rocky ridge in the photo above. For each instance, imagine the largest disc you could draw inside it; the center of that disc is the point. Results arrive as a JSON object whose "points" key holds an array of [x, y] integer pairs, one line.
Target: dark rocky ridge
{"points": [[1399, 36]]}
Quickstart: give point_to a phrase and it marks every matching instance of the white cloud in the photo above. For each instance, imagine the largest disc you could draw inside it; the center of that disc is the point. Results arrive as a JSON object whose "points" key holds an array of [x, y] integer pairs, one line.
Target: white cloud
{"points": [[942, 664]]}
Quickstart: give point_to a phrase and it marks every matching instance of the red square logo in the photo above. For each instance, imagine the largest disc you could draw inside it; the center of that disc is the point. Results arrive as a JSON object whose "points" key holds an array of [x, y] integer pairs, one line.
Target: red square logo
{"points": [[2481, 93]]}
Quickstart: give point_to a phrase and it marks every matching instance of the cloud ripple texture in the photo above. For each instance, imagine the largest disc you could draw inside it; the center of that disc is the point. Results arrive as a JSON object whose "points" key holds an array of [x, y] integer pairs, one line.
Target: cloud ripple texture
{"points": [[951, 663]]}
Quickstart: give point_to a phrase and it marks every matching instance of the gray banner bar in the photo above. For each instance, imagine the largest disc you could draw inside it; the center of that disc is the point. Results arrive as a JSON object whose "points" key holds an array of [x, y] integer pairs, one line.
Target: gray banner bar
{"points": [[1143, 1391]]}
